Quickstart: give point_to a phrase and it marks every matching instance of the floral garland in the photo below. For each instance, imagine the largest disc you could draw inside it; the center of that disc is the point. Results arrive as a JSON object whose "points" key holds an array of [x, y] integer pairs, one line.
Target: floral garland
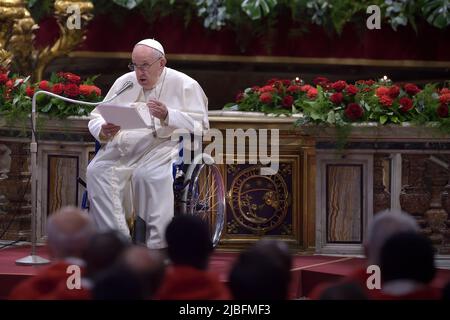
{"points": [[340, 103], [16, 95]]}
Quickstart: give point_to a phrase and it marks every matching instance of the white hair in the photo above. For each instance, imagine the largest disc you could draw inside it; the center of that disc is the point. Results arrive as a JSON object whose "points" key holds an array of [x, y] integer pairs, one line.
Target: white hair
{"points": [[384, 225]]}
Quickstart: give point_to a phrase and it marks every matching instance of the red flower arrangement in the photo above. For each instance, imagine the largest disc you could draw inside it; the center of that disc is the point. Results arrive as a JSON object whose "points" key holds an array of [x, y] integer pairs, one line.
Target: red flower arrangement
{"points": [[16, 94], [339, 102]]}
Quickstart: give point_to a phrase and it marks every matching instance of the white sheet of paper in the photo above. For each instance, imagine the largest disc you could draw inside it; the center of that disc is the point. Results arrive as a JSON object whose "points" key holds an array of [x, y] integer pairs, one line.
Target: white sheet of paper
{"points": [[125, 116]]}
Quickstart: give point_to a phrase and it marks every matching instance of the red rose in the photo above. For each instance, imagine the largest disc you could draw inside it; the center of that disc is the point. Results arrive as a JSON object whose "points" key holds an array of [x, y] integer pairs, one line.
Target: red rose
{"points": [[365, 82], [278, 84], [9, 84], [386, 101], [87, 90], [288, 101], [339, 85], [272, 81], [305, 88], [337, 98], [266, 97], [445, 98], [394, 91], [351, 90], [445, 90], [96, 90], [44, 85], [382, 91], [71, 90], [29, 91], [442, 111], [255, 88], [73, 78], [267, 89], [354, 111], [406, 104], [320, 81], [411, 89], [286, 82], [293, 89], [58, 88], [239, 96], [3, 78], [312, 93]]}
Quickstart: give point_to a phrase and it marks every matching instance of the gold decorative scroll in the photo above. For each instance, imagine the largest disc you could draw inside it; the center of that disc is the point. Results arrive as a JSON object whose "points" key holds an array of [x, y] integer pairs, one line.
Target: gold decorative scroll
{"points": [[17, 34], [68, 39]]}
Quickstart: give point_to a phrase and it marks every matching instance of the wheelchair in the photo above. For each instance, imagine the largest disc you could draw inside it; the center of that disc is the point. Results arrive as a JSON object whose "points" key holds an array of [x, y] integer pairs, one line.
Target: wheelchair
{"points": [[198, 190]]}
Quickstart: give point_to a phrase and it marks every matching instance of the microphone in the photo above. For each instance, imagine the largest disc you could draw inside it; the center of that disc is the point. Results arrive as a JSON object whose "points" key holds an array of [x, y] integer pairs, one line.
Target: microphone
{"points": [[127, 85]]}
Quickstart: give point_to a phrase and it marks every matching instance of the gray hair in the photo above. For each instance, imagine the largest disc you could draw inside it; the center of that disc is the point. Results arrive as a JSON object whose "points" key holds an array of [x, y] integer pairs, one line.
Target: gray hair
{"points": [[384, 225], [68, 232]]}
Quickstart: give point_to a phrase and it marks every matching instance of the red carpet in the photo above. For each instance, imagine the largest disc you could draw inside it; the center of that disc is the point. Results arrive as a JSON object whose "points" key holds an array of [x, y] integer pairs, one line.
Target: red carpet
{"points": [[307, 271]]}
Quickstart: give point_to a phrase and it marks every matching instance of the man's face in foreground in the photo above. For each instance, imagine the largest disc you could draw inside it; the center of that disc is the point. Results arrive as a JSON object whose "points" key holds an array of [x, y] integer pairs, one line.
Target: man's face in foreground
{"points": [[149, 64]]}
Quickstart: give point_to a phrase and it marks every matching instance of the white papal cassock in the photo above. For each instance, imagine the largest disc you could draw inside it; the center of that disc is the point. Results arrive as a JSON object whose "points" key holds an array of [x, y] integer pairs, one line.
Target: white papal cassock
{"points": [[133, 171]]}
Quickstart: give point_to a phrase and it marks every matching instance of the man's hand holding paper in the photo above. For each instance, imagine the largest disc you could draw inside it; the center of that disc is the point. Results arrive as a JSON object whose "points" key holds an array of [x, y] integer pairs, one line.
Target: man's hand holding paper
{"points": [[109, 130]]}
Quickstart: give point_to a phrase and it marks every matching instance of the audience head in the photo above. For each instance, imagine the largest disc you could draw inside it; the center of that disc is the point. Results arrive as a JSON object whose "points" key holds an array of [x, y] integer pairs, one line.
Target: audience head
{"points": [[69, 231], [384, 225], [103, 251], [344, 291], [148, 266], [117, 283], [278, 250], [407, 256], [188, 241], [261, 273]]}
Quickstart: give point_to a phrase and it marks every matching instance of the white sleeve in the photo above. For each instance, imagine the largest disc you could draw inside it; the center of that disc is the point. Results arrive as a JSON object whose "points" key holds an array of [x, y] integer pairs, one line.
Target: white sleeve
{"points": [[96, 122], [194, 110]]}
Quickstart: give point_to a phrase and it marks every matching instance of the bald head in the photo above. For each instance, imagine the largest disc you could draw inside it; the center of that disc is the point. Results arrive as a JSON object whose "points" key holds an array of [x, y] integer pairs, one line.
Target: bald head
{"points": [[384, 225], [147, 265], [68, 232]]}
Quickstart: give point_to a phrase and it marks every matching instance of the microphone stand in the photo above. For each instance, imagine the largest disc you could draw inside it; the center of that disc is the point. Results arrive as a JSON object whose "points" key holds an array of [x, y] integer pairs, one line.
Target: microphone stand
{"points": [[33, 258]]}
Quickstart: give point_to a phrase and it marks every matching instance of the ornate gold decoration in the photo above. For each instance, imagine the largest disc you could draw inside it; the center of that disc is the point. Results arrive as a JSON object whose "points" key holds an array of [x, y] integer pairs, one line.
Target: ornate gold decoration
{"points": [[16, 35], [5, 59], [258, 203], [69, 39], [21, 38]]}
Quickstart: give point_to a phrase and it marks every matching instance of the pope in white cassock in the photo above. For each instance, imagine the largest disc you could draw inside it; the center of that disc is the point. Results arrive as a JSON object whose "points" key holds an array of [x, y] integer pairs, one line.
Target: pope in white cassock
{"points": [[133, 169]]}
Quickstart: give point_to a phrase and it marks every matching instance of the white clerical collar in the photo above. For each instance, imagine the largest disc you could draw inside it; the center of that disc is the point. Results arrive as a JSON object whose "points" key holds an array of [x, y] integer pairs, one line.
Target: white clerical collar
{"points": [[156, 90]]}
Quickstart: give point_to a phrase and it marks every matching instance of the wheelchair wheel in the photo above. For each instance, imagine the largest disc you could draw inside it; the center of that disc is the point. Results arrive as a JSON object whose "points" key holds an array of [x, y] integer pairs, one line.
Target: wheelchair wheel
{"points": [[204, 195]]}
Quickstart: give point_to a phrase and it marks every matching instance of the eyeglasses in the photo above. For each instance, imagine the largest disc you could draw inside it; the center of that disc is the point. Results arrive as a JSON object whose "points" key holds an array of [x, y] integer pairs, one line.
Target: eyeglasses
{"points": [[145, 67]]}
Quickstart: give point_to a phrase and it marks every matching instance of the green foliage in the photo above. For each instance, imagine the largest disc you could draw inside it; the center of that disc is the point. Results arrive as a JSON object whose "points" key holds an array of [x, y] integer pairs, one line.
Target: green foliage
{"points": [[256, 9], [40, 9], [233, 14], [437, 12], [129, 4]]}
